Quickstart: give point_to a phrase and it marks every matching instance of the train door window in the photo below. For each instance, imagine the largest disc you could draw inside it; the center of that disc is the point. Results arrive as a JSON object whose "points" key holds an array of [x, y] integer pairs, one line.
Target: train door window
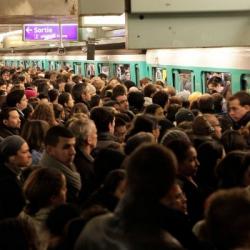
{"points": [[77, 68], [89, 69], [159, 74], [184, 79], [104, 68], [122, 71], [222, 78], [245, 82], [51, 65]]}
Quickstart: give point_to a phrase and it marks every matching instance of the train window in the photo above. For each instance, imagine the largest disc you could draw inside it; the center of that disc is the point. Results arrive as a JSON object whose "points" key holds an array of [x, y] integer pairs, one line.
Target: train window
{"points": [[122, 71], [104, 68], [77, 68], [89, 69], [159, 74], [245, 82], [224, 79], [52, 65], [183, 79]]}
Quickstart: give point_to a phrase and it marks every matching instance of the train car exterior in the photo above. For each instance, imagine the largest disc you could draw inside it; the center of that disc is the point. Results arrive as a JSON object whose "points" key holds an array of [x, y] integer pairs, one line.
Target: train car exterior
{"points": [[190, 69], [184, 69], [124, 66]]}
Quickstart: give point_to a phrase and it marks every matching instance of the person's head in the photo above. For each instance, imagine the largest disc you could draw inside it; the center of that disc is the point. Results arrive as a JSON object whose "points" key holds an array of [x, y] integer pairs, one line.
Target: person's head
{"points": [[81, 93], [85, 132], [183, 115], [176, 199], [115, 183], [66, 100], [186, 156], [34, 132], [232, 170], [137, 140], [238, 105], [144, 123], [147, 182], [206, 103], [214, 85], [210, 153], [149, 90], [120, 96], [161, 98], [155, 110], [14, 151], [45, 112], [10, 118], [202, 127], [136, 101], [60, 144], [108, 159], [80, 108], [227, 219], [18, 233], [120, 129], [233, 140], [104, 119], [53, 95], [214, 122], [18, 99], [43, 188]]}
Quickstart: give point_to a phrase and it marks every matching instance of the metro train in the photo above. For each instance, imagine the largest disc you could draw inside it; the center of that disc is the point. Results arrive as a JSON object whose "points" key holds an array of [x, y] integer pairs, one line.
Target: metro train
{"points": [[184, 69]]}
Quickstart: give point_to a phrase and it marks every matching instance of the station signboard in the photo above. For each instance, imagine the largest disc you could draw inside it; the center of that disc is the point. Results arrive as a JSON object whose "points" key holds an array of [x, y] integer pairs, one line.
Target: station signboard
{"points": [[50, 32]]}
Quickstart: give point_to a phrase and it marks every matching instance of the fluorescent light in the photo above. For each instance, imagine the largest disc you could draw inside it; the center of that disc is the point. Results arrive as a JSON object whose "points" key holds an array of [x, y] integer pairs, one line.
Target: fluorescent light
{"points": [[103, 20], [15, 32]]}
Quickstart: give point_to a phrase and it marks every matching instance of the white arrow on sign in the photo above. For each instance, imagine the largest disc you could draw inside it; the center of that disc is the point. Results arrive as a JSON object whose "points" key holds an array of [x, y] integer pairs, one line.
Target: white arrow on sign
{"points": [[28, 29]]}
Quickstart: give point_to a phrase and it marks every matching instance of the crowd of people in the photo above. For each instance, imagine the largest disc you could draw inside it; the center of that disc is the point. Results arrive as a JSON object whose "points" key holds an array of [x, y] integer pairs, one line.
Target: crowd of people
{"points": [[99, 163]]}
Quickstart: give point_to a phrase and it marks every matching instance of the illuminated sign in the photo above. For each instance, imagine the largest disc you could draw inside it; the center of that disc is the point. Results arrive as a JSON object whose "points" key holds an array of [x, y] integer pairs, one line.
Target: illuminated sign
{"points": [[43, 32]]}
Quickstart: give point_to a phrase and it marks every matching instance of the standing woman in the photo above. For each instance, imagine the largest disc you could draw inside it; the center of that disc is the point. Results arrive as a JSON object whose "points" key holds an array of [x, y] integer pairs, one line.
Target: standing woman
{"points": [[34, 132], [66, 100], [44, 189], [187, 167], [45, 112]]}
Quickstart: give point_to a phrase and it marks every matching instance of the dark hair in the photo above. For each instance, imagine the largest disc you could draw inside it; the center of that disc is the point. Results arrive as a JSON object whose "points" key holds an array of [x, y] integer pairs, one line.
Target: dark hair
{"points": [[19, 234], [40, 186], [136, 140], [5, 113], [233, 140], [231, 169], [242, 96], [102, 116], [228, 219], [160, 98], [53, 94], [145, 181], [179, 148], [151, 109], [63, 98], [118, 90], [107, 159], [78, 90], [136, 101], [14, 97], [34, 132], [53, 134], [149, 90]]}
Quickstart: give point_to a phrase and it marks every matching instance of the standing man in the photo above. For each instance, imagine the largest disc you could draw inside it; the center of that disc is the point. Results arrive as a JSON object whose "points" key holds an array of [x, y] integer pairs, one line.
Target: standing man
{"points": [[10, 122], [60, 153], [239, 109]]}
